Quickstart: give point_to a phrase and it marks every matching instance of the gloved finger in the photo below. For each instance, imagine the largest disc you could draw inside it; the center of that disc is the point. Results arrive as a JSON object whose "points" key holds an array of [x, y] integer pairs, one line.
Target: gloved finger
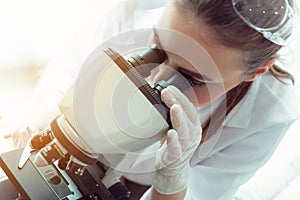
{"points": [[196, 136], [173, 148], [172, 95], [179, 122], [168, 97], [20, 138]]}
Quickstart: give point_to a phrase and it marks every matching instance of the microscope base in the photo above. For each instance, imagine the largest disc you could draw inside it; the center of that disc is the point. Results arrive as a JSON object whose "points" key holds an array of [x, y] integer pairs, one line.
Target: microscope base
{"points": [[31, 181]]}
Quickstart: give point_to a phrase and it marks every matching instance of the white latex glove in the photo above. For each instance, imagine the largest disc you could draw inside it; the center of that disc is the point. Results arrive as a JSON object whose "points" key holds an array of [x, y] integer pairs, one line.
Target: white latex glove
{"points": [[43, 107], [20, 138], [172, 161], [37, 121]]}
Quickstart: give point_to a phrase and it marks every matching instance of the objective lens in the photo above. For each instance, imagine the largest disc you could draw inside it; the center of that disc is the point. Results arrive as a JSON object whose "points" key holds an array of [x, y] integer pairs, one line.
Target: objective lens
{"points": [[75, 168], [41, 139], [49, 154]]}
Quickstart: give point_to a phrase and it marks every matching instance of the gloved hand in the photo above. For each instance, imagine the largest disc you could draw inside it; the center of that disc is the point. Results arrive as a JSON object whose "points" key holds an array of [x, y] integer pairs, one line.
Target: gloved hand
{"points": [[43, 105], [20, 137], [172, 160]]}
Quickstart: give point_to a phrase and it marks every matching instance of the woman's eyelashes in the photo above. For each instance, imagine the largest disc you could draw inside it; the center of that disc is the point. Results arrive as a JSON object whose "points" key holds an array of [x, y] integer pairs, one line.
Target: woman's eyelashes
{"points": [[193, 81], [198, 83]]}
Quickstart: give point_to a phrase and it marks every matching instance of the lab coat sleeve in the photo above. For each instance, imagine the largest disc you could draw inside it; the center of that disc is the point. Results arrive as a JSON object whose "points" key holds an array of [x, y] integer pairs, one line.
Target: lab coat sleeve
{"points": [[219, 176]]}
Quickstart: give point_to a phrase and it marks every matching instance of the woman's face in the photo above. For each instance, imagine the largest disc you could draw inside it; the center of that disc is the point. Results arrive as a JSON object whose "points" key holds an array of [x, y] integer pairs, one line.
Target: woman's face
{"points": [[192, 49]]}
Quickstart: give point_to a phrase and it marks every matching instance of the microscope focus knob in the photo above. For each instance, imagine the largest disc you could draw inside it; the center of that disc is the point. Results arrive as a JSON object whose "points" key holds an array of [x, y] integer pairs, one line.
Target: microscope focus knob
{"points": [[119, 191]]}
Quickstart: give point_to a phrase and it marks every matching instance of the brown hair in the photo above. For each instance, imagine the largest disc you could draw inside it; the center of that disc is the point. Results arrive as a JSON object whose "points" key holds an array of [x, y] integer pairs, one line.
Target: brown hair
{"points": [[220, 16]]}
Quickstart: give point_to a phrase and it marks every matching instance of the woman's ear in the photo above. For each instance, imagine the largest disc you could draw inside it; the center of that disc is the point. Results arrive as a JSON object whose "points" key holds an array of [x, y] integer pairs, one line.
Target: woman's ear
{"points": [[260, 71]]}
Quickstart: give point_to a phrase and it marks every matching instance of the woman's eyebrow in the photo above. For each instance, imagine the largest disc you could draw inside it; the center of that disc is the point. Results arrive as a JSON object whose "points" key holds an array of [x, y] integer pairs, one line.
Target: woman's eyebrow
{"points": [[191, 73]]}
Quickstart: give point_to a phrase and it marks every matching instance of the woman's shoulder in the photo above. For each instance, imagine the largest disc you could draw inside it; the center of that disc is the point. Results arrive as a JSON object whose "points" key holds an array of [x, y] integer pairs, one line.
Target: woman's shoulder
{"points": [[278, 97], [269, 101], [274, 102]]}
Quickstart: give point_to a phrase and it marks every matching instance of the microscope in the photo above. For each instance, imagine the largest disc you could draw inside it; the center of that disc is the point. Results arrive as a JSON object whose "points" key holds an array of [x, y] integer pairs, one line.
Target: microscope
{"points": [[83, 152]]}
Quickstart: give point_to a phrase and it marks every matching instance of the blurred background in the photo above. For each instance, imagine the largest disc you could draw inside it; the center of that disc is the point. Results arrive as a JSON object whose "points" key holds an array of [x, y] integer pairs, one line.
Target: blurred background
{"points": [[32, 34], [35, 32]]}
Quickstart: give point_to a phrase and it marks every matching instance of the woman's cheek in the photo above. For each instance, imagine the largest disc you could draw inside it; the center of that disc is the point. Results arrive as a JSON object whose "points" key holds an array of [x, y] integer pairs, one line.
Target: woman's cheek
{"points": [[198, 97], [204, 95]]}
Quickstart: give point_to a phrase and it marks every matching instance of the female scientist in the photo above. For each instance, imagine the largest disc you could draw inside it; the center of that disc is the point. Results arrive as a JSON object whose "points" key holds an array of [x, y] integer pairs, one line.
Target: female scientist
{"points": [[221, 137], [210, 157]]}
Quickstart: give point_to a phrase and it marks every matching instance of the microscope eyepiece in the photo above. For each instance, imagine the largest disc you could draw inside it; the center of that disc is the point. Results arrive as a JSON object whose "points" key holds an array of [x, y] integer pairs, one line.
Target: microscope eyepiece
{"points": [[147, 60], [153, 54]]}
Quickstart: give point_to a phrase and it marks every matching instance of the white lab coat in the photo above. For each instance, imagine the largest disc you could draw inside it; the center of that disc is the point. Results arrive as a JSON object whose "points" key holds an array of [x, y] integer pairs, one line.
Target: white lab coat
{"points": [[250, 134]]}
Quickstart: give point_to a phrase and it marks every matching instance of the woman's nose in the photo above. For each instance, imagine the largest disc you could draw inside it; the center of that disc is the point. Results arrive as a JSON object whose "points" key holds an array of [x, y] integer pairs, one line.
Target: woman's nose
{"points": [[163, 75], [162, 72]]}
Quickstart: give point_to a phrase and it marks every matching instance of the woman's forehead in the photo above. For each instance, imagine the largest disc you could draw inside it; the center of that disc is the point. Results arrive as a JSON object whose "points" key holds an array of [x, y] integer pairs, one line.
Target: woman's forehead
{"points": [[193, 42]]}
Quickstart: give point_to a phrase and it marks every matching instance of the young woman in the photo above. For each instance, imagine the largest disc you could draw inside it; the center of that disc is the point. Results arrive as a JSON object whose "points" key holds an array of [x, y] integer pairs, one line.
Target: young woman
{"points": [[244, 103], [209, 154]]}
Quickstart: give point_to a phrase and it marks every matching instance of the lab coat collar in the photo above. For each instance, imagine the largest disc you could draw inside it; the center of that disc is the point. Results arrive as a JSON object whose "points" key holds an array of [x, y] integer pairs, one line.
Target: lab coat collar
{"points": [[240, 115]]}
